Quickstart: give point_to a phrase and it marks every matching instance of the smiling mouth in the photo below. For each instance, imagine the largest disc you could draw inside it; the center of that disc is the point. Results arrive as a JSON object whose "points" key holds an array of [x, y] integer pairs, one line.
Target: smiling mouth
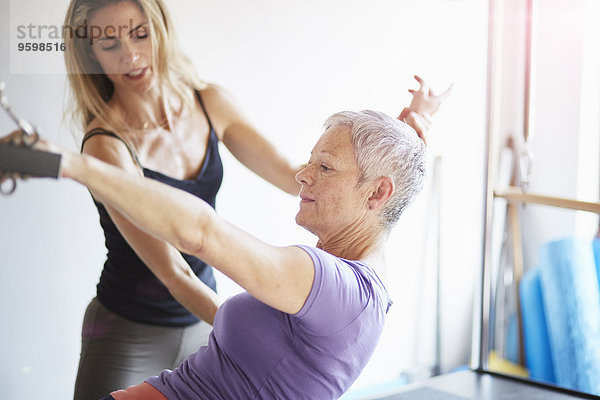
{"points": [[136, 74]]}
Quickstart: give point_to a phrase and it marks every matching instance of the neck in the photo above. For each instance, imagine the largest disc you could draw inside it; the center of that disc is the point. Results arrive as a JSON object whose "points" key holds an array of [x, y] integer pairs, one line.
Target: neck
{"points": [[356, 243], [149, 109]]}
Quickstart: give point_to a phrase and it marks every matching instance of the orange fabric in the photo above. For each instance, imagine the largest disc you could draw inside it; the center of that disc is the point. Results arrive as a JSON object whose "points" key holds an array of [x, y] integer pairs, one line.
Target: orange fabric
{"points": [[144, 391]]}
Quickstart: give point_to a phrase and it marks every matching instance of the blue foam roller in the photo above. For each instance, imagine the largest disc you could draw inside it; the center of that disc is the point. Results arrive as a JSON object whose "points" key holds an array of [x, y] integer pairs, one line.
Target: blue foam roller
{"points": [[596, 245], [511, 344], [571, 299], [538, 357]]}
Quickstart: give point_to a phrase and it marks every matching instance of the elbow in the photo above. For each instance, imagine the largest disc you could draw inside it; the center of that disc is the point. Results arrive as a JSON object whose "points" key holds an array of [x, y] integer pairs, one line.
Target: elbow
{"points": [[191, 246], [191, 239]]}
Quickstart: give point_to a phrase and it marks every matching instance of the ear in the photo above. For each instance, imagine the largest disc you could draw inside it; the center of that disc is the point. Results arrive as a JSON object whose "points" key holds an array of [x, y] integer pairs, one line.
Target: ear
{"points": [[383, 189]]}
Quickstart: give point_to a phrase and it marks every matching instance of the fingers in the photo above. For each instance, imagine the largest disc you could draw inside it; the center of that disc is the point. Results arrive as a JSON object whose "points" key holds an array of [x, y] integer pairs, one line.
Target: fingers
{"points": [[446, 93], [424, 102], [12, 137], [423, 87], [18, 138], [441, 97]]}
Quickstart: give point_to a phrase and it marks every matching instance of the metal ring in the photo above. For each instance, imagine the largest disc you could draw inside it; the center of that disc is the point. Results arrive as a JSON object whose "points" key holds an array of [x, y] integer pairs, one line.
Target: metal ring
{"points": [[12, 189]]}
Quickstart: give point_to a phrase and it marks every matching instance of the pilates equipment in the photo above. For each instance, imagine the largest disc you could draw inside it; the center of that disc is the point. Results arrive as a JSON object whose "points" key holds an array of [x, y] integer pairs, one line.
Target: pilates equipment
{"points": [[571, 299], [559, 311], [18, 158]]}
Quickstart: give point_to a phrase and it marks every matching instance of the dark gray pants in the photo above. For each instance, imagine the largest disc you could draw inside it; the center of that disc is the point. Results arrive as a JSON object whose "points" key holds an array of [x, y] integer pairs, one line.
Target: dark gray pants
{"points": [[117, 353]]}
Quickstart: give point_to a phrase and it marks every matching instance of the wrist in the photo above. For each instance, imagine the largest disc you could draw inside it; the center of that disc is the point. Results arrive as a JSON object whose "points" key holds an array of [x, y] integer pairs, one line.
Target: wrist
{"points": [[73, 166], [405, 112]]}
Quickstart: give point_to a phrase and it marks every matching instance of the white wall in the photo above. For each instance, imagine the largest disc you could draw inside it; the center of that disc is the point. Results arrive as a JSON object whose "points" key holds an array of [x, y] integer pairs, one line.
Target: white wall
{"points": [[290, 65]]}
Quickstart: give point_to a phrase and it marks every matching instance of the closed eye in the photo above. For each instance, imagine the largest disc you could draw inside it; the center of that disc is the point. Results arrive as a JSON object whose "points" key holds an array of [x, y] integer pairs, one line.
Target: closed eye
{"points": [[141, 33], [325, 167], [110, 44]]}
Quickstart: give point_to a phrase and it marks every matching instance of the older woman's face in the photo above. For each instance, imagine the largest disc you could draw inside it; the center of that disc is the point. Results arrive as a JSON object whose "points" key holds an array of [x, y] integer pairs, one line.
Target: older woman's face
{"points": [[122, 45], [331, 199]]}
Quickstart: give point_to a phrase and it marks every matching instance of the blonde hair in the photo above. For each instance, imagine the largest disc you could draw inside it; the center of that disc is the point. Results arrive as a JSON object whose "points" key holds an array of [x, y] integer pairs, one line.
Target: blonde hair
{"points": [[90, 87]]}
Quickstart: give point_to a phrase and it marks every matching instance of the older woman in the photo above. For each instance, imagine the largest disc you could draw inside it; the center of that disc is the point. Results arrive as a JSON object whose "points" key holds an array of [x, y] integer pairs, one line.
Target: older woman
{"points": [[311, 316]]}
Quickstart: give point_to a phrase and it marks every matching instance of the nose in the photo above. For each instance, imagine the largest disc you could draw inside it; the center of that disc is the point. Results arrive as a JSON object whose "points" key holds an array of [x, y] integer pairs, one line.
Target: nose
{"points": [[129, 53], [302, 176]]}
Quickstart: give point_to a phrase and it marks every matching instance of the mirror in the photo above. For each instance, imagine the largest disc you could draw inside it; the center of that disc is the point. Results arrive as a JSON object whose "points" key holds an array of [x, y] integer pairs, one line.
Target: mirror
{"points": [[542, 219]]}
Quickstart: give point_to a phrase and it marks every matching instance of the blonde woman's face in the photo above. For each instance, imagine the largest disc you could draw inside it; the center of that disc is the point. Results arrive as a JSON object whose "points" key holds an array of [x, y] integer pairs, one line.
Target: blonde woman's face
{"points": [[121, 44]]}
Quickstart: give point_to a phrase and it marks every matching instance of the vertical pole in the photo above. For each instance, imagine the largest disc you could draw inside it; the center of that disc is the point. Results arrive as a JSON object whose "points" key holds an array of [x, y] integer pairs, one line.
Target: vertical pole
{"points": [[481, 304]]}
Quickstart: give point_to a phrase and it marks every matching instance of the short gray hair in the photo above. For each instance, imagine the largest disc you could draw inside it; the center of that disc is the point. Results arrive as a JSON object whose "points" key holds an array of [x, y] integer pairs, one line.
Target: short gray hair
{"points": [[385, 146]]}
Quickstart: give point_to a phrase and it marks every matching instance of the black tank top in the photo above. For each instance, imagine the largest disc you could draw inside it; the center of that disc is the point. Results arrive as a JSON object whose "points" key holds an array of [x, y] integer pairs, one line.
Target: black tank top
{"points": [[127, 287]]}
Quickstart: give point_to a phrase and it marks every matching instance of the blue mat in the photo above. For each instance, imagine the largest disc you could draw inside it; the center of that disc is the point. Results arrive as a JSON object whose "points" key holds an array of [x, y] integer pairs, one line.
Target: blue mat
{"points": [[596, 245], [571, 298], [537, 347]]}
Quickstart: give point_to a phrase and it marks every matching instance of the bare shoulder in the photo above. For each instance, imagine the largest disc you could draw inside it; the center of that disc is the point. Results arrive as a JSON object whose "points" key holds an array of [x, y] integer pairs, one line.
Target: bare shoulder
{"points": [[217, 98], [108, 148], [221, 107], [215, 92]]}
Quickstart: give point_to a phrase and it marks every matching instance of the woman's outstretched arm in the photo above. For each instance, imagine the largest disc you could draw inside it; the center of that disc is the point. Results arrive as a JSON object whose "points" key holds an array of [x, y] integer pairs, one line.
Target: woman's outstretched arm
{"points": [[278, 276]]}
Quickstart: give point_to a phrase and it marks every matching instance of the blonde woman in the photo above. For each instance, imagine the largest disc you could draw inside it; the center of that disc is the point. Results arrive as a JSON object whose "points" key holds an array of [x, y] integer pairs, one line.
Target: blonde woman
{"points": [[144, 111]]}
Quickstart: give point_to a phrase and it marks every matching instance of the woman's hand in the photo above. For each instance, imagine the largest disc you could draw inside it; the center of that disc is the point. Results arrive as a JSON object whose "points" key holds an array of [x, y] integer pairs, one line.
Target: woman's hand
{"points": [[18, 138], [15, 138], [424, 104], [425, 101]]}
